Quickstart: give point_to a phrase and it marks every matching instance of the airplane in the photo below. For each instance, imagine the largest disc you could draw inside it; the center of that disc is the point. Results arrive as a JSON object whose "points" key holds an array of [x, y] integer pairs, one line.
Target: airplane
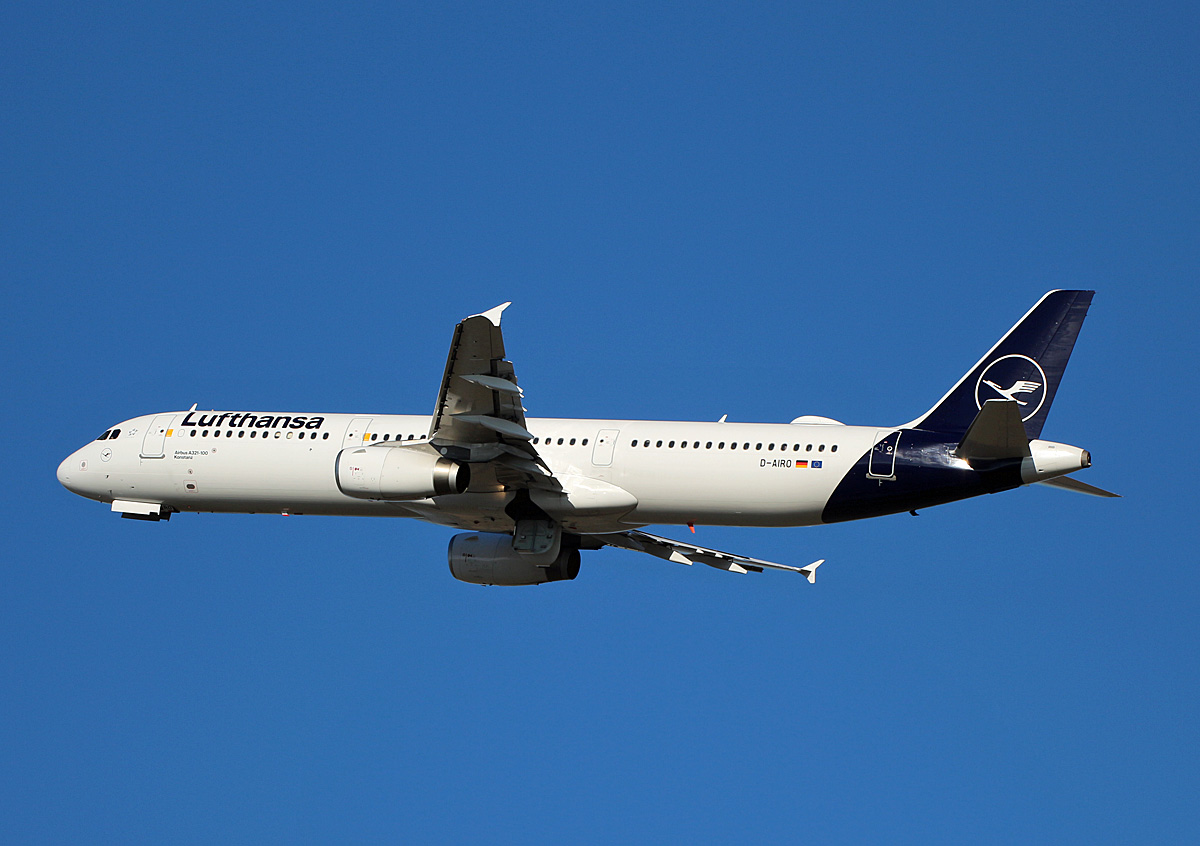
{"points": [[529, 494]]}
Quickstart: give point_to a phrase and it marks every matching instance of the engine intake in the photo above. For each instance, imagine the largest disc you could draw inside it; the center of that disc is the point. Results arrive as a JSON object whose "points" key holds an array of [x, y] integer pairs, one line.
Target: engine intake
{"points": [[487, 558], [398, 473]]}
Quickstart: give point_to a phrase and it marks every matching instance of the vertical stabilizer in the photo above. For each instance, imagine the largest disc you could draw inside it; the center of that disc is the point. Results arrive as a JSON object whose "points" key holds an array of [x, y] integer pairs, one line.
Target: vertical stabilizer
{"points": [[1024, 367]]}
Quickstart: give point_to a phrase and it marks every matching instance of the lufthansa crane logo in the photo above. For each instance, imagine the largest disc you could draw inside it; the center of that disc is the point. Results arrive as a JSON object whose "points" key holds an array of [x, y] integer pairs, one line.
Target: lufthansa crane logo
{"points": [[1013, 377]]}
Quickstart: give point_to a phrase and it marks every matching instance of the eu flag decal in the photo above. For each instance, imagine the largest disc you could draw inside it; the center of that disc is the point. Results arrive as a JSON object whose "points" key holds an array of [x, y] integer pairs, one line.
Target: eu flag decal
{"points": [[816, 465]]}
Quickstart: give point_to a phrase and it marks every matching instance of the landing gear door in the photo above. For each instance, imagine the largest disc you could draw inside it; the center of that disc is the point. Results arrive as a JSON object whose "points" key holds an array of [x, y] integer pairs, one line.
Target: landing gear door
{"points": [[606, 441], [153, 445], [883, 456]]}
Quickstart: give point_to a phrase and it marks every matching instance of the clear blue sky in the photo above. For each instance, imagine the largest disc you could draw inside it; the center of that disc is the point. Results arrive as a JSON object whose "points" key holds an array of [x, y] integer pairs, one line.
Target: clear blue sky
{"points": [[761, 210]]}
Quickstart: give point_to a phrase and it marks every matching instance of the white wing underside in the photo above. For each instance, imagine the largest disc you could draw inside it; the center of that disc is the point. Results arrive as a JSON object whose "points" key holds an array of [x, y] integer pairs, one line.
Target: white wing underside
{"points": [[688, 553]]}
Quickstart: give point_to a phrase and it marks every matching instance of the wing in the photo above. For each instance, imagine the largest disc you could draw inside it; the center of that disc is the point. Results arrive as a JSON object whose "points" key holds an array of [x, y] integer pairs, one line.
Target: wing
{"points": [[687, 553], [479, 418]]}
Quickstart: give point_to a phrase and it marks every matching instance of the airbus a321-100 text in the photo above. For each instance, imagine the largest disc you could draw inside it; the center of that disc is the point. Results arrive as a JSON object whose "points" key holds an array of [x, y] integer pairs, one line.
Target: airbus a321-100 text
{"points": [[530, 494]]}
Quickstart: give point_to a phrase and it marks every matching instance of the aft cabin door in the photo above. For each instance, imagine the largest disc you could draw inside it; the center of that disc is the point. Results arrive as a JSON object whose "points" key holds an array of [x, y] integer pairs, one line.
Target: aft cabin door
{"points": [[154, 443], [883, 456], [606, 441]]}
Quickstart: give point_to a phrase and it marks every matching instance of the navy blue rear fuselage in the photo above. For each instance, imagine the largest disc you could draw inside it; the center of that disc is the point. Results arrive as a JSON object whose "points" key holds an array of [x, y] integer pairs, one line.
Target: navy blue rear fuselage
{"points": [[926, 473]]}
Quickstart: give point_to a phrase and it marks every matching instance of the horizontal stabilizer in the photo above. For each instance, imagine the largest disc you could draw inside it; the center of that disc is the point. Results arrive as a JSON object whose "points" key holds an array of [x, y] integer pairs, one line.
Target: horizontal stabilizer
{"points": [[1069, 484], [996, 433], [810, 572]]}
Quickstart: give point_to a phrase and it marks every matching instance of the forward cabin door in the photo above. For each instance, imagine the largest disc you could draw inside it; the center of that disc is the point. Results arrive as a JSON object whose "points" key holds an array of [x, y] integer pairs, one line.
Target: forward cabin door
{"points": [[606, 442], [154, 444]]}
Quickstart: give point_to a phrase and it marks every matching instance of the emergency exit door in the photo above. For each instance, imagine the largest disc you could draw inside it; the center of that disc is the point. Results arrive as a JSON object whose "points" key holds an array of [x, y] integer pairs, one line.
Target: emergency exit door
{"points": [[358, 431], [606, 442]]}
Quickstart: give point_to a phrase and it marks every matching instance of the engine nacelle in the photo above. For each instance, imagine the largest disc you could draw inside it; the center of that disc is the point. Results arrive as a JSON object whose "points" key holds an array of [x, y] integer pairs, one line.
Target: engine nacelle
{"points": [[398, 473], [487, 558], [1048, 459]]}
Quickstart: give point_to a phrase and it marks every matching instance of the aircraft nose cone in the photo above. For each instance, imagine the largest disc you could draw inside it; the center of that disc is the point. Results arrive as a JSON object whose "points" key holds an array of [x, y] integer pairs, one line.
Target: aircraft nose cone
{"points": [[69, 472], [64, 474]]}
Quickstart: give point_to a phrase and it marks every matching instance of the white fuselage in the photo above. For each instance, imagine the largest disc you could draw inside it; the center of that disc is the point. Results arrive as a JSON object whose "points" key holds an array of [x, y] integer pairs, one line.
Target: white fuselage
{"points": [[744, 474]]}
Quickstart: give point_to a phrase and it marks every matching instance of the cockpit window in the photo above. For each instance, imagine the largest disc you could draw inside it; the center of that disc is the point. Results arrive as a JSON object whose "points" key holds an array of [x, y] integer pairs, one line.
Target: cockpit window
{"points": [[114, 434], [104, 437]]}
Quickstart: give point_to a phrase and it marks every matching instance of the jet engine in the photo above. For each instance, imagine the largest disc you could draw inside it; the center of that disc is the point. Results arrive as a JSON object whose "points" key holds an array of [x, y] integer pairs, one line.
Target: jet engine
{"points": [[487, 558], [398, 473]]}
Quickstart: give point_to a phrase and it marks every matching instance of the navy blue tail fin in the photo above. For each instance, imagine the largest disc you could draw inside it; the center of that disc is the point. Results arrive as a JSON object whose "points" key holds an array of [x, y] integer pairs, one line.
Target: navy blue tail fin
{"points": [[1026, 365]]}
